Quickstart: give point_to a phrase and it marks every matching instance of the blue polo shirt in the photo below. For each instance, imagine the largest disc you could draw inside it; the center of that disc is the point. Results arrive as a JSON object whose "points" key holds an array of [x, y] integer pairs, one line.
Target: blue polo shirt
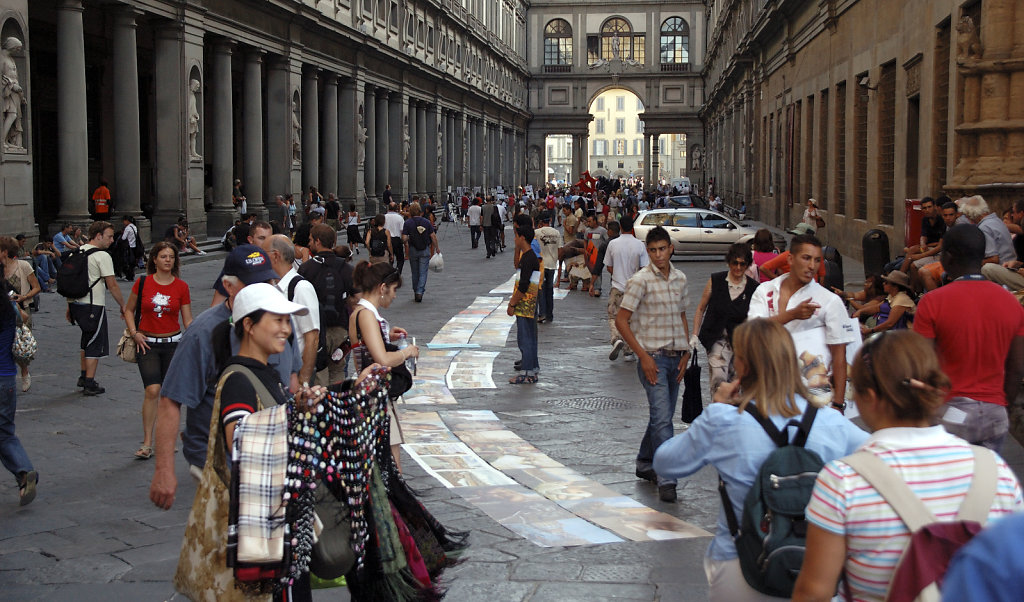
{"points": [[192, 377]]}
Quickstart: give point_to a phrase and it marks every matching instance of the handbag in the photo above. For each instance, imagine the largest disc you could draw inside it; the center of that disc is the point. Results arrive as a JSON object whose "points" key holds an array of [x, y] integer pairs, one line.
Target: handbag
{"points": [[819, 221], [203, 573], [401, 378], [693, 403], [127, 349], [332, 554], [25, 346]]}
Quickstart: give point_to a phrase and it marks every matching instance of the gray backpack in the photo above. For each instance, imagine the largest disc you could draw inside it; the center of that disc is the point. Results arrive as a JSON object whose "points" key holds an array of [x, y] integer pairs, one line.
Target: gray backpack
{"points": [[772, 537]]}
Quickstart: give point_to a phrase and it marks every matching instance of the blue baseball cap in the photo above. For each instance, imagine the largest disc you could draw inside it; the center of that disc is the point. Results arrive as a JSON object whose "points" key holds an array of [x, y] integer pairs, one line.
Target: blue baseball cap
{"points": [[249, 264]]}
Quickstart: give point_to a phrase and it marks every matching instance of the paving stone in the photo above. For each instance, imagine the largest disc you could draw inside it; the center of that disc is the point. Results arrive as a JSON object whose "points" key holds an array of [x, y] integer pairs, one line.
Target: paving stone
{"points": [[549, 571], [588, 592], [616, 573], [475, 591], [478, 571]]}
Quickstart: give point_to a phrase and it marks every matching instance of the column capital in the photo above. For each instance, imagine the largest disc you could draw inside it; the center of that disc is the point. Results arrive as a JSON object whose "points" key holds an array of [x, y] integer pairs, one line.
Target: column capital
{"points": [[330, 78], [75, 5], [125, 16], [223, 46], [382, 93], [254, 55]]}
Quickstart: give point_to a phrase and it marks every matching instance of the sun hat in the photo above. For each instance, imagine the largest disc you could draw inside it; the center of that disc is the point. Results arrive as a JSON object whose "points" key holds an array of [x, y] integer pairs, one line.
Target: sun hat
{"points": [[899, 279], [266, 297]]}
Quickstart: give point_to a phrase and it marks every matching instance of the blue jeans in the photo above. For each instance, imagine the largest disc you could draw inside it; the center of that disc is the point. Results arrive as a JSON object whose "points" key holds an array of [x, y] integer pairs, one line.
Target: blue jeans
{"points": [[546, 302], [45, 270], [661, 398], [419, 261], [526, 337], [12, 454]]}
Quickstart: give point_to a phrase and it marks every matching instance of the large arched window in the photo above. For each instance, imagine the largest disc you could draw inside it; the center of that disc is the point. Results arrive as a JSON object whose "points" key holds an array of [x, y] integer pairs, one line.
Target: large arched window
{"points": [[558, 46], [617, 41], [675, 43]]}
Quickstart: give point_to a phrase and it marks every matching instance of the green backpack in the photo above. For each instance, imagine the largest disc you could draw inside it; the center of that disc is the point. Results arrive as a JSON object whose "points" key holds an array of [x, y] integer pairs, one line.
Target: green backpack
{"points": [[772, 537]]}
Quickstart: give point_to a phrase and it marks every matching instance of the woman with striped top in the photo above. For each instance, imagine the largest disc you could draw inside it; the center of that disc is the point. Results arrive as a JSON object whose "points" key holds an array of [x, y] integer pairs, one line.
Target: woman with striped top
{"points": [[899, 388]]}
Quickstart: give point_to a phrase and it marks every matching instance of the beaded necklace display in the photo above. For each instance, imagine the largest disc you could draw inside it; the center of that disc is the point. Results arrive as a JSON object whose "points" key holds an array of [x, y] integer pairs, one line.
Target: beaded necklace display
{"points": [[335, 442]]}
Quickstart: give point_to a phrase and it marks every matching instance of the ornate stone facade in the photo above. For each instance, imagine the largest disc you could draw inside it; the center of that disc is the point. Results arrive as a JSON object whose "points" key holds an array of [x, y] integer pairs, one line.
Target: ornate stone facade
{"points": [[862, 104]]}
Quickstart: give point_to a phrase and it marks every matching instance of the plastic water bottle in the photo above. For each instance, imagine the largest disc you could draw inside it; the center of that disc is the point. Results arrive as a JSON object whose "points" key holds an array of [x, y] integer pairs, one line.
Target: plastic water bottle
{"points": [[410, 362]]}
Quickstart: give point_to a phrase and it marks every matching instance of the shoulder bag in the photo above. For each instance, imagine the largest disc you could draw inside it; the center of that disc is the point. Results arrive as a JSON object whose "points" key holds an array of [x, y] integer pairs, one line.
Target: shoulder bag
{"points": [[127, 349], [24, 347]]}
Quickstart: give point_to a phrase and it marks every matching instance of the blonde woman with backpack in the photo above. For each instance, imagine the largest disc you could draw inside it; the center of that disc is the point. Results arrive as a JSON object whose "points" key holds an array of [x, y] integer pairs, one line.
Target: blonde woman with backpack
{"points": [[900, 390], [729, 437]]}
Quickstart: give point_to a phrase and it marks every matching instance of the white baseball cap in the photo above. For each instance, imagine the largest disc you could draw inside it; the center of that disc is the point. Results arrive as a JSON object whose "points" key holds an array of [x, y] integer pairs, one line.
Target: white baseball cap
{"points": [[266, 297]]}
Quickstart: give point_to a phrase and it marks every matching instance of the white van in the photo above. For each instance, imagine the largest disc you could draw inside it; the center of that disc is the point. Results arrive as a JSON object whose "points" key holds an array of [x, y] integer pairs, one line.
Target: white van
{"points": [[681, 183]]}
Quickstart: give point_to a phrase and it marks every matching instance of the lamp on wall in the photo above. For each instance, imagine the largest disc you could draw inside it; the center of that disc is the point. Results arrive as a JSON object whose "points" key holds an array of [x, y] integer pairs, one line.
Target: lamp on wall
{"points": [[865, 82]]}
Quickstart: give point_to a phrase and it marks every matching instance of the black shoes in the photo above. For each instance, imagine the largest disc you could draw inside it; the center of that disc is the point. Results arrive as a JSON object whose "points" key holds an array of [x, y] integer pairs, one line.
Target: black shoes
{"points": [[667, 493], [81, 382], [647, 474], [518, 365], [27, 487], [92, 388], [418, 298]]}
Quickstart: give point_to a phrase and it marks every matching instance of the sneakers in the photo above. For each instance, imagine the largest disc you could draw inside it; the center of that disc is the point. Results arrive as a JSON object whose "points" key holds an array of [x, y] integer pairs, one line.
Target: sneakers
{"points": [[26, 382], [92, 388], [667, 493], [81, 382], [616, 349], [27, 487]]}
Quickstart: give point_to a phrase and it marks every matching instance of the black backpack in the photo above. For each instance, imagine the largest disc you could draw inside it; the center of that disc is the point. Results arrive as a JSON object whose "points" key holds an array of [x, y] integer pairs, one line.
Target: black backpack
{"points": [[378, 244], [323, 355], [420, 240], [772, 538], [73, 275], [326, 273]]}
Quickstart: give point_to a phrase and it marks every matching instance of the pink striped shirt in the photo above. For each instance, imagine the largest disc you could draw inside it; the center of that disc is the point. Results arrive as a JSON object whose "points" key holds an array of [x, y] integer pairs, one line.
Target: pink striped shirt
{"points": [[938, 468]]}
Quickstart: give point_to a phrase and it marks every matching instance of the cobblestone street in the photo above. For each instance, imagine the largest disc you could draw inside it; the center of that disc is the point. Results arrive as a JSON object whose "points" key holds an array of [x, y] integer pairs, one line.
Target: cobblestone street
{"points": [[92, 533]]}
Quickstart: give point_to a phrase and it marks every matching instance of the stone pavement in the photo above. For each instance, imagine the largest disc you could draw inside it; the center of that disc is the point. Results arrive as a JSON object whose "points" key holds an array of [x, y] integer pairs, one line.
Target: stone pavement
{"points": [[92, 533]]}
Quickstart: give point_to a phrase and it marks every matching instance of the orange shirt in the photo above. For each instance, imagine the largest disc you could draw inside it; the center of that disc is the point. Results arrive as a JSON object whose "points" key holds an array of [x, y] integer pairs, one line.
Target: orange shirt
{"points": [[781, 262], [101, 198]]}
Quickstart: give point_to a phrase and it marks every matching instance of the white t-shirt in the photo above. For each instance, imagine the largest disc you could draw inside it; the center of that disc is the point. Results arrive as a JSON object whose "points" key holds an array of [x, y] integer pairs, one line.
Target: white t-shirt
{"points": [[831, 315], [474, 215], [393, 223], [100, 266], [625, 255], [305, 295], [129, 235]]}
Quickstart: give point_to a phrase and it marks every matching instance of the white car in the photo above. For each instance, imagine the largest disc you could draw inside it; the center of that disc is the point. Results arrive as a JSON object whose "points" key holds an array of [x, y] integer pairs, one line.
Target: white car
{"points": [[695, 231]]}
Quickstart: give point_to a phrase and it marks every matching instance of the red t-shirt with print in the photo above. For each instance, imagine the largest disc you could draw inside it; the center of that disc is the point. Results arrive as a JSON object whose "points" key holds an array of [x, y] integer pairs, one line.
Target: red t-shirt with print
{"points": [[161, 304]]}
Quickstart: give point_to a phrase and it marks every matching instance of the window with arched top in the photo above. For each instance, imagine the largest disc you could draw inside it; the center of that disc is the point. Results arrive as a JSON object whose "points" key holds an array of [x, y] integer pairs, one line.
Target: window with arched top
{"points": [[558, 45], [616, 42], [675, 44]]}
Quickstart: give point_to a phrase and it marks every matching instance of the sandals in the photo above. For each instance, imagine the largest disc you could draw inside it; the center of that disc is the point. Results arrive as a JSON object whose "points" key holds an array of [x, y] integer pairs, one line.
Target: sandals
{"points": [[27, 487], [523, 379], [145, 452]]}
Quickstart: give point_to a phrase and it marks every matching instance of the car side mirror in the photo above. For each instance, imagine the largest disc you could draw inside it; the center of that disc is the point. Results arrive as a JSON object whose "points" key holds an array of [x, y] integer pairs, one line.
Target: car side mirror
{"points": [[731, 226]]}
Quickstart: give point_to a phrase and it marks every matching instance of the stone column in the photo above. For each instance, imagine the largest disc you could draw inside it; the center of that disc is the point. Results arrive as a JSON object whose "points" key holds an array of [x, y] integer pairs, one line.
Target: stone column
{"points": [[398, 128], [461, 141], [383, 142], [222, 214], [329, 148], [310, 130], [422, 142], [72, 129], [171, 131], [655, 159], [450, 152], [351, 115], [252, 119], [127, 145], [279, 131], [647, 159], [434, 157], [370, 147], [414, 143]]}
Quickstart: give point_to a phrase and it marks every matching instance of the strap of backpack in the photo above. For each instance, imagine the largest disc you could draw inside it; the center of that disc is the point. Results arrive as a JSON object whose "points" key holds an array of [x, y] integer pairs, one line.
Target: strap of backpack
{"points": [[893, 489], [803, 428], [291, 287], [982, 493], [730, 512], [778, 437]]}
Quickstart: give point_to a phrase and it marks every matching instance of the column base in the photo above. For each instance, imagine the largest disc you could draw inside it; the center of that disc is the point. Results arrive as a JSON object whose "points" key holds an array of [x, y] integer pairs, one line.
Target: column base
{"points": [[219, 219]]}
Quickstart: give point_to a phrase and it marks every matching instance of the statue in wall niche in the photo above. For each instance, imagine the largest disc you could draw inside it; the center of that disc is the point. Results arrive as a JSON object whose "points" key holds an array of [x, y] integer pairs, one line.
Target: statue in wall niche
{"points": [[296, 135], [615, 46], [534, 159], [696, 158], [440, 145], [13, 95], [968, 43], [406, 141], [360, 140], [193, 120]]}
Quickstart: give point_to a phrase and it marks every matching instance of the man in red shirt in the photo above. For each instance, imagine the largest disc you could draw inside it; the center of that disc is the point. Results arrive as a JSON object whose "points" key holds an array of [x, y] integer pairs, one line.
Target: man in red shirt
{"points": [[101, 201], [978, 329]]}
